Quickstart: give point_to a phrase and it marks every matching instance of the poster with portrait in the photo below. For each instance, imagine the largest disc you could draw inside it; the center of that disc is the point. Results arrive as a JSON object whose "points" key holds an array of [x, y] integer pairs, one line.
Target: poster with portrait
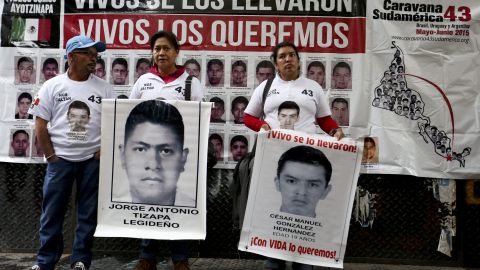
{"points": [[301, 196], [153, 171]]}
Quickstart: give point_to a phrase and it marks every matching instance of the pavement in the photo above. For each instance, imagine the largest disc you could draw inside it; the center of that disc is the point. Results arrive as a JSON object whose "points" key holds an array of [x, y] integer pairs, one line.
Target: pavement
{"points": [[22, 261]]}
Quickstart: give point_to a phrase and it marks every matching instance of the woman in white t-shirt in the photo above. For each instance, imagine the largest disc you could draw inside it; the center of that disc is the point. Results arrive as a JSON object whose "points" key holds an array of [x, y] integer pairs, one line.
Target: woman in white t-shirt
{"points": [[288, 85], [166, 80], [293, 102]]}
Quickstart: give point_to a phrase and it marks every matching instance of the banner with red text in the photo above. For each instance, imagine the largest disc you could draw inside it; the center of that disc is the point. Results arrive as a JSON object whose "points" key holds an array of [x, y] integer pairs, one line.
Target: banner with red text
{"points": [[421, 95], [229, 33], [153, 169], [301, 196]]}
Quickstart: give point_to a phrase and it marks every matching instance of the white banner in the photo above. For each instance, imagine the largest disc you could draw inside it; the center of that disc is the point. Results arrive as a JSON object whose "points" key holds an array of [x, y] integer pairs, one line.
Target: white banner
{"points": [[153, 169], [301, 196], [421, 89]]}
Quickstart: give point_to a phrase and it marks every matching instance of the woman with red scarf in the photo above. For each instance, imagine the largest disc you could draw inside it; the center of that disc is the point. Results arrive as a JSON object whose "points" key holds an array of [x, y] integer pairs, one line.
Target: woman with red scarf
{"points": [[166, 81]]}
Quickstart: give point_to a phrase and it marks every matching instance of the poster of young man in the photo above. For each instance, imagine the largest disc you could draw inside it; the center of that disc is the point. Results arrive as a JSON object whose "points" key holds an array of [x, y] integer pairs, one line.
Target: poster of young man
{"points": [[153, 172], [301, 197]]}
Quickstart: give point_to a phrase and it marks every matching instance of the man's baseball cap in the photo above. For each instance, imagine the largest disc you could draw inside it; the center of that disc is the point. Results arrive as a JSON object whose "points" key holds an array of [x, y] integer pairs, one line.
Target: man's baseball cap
{"points": [[80, 42]]}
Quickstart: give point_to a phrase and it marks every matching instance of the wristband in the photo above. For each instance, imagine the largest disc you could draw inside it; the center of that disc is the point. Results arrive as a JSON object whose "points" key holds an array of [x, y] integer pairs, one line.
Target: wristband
{"points": [[50, 156], [333, 131]]}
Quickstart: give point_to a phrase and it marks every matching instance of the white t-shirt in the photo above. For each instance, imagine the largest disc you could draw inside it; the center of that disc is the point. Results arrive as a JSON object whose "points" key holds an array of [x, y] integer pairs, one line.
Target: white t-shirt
{"points": [[307, 93], [151, 86], [75, 134]]}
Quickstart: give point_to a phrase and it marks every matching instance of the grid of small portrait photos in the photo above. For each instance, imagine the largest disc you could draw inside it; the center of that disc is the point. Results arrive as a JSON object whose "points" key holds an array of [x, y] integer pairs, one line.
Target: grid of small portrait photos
{"points": [[28, 70], [228, 78], [229, 81], [336, 76], [121, 69]]}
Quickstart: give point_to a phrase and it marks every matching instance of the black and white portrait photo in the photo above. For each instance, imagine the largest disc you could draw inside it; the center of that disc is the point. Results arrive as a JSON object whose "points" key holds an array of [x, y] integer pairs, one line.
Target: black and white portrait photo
{"points": [[78, 116], [154, 156], [303, 179], [301, 192]]}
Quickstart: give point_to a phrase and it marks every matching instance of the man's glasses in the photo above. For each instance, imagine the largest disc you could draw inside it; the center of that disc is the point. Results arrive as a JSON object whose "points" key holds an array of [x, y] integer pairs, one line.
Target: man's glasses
{"points": [[89, 54]]}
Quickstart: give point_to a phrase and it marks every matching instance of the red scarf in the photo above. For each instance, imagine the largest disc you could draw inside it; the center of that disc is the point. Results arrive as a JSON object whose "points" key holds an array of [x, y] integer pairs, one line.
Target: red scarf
{"points": [[170, 77]]}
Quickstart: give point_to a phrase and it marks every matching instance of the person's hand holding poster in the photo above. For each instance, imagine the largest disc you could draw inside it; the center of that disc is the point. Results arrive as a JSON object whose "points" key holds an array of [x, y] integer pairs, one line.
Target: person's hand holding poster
{"points": [[301, 196]]}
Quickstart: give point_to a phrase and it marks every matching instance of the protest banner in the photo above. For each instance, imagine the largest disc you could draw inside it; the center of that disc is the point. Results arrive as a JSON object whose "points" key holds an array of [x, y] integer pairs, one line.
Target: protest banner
{"points": [[301, 196], [420, 89], [153, 169]]}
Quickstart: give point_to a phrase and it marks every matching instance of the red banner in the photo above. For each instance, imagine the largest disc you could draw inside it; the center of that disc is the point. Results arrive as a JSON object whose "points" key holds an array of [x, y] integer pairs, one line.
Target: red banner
{"points": [[223, 33]]}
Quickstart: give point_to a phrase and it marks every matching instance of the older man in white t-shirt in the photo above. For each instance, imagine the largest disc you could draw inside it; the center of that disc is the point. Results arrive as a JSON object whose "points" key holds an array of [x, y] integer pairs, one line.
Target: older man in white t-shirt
{"points": [[72, 153]]}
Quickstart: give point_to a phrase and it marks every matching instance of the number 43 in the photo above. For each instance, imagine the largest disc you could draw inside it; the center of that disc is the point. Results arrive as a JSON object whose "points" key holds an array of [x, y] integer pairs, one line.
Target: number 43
{"points": [[465, 15], [95, 99]]}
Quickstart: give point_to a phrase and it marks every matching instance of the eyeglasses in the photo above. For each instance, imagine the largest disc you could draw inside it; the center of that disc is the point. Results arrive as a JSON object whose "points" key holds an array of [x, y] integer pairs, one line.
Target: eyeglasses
{"points": [[89, 54]]}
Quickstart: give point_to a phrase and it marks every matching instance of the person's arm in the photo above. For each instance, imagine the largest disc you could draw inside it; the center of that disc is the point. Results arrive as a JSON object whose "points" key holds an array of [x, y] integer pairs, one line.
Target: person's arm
{"points": [[135, 93], [97, 155], [44, 140], [255, 109], [109, 94], [324, 118], [255, 123], [331, 127], [197, 90]]}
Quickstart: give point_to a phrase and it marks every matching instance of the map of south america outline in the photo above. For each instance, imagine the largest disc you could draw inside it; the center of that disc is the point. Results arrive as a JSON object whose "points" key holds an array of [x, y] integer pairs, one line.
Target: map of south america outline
{"points": [[393, 94]]}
